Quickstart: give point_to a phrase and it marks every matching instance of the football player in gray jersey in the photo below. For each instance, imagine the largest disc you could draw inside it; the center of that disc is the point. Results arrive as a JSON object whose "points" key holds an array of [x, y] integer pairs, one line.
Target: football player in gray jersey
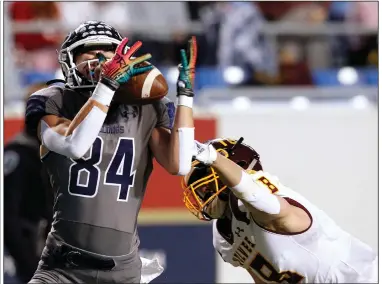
{"points": [[99, 154]]}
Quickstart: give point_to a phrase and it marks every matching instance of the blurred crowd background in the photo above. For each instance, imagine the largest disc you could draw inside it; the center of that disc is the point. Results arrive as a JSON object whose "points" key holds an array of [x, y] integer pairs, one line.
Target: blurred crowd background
{"points": [[240, 43], [291, 68]]}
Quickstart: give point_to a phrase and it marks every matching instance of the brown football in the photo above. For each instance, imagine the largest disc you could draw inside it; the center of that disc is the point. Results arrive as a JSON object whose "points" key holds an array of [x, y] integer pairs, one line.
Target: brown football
{"points": [[144, 88]]}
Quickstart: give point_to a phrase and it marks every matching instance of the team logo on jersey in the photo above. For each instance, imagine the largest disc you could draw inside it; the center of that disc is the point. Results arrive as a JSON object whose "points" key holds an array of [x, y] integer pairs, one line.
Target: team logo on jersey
{"points": [[238, 231], [128, 111]]}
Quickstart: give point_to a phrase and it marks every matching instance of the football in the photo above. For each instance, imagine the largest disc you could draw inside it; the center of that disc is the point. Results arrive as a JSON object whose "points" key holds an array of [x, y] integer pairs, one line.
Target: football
{"points": [[144, 88]]}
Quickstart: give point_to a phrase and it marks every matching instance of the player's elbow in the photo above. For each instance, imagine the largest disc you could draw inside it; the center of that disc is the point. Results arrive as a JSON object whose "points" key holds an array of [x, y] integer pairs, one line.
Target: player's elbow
{"points": [[183, 169], [69, 146], [75, 152], [173, 172], [173, 168], [178, 169], [180, 166], [184, 162]]}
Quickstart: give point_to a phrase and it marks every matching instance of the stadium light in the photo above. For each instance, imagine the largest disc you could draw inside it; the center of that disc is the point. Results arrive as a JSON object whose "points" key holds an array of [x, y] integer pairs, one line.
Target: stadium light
{"points": [[300, 103], [233, 75], [347, 76], [241, 103], [359, 102], [172, 75]]}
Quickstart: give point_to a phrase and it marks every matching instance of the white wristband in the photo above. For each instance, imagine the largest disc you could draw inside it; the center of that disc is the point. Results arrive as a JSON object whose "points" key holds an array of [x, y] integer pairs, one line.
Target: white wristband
{"points": [[185, 101], [103, 94]]}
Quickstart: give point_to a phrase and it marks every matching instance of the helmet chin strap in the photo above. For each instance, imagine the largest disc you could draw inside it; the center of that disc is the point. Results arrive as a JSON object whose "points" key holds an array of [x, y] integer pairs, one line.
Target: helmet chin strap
{"points": [[206, 216]]}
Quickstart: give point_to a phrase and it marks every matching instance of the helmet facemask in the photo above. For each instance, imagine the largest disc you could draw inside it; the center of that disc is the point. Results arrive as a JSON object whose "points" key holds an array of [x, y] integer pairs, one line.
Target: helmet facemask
{"points": [[71, 70], [88, 66], [202, 187]]}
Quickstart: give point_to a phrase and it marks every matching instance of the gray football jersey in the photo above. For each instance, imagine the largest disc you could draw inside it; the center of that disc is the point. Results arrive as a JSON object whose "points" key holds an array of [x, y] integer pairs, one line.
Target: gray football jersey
{"points": [[98, 197]]}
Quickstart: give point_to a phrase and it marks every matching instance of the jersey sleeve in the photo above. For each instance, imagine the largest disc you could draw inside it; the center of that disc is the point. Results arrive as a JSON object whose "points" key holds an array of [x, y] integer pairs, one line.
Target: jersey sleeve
{"points": [[48, 101], [165, 109]]}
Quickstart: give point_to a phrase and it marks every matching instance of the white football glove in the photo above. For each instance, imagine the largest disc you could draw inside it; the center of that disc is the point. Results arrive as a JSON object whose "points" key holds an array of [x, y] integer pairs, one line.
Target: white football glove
{"points": [[205, 153]]}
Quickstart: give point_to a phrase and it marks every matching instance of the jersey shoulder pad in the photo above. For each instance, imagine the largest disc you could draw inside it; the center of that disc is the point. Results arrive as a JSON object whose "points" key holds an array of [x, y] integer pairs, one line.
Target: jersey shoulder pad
{"points": [[48, 92], [163, 104], [164, 100], [43, 102], [165, 110]]}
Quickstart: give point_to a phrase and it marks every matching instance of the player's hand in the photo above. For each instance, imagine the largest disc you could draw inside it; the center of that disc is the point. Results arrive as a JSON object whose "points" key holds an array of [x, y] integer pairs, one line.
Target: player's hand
{"points": [[185, 83], [122, 66], [205, 153]]}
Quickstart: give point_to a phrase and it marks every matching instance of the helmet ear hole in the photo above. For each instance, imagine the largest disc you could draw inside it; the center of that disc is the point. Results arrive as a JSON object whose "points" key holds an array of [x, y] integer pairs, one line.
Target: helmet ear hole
{"points": [[243, 164]]}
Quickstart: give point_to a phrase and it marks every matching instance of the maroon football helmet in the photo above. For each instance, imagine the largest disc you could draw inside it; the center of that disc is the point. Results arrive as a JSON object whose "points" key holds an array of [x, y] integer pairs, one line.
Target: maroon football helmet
{"points": [[202, 184]]}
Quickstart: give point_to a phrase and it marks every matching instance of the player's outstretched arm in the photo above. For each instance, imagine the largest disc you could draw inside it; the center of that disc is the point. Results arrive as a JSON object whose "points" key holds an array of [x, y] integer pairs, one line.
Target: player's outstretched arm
{"points": [[174, 150], [74, 138], [250, 189]]}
